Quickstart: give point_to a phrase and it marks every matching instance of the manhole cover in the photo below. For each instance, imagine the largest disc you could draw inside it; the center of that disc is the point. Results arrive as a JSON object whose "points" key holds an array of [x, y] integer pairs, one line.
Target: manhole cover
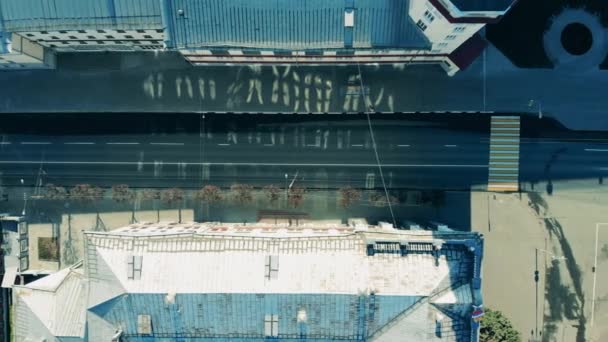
{"points": [[576, 39]]}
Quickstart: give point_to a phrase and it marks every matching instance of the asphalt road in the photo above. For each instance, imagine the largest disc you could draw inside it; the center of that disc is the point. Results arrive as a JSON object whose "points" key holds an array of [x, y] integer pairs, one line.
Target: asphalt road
{"points": [[319, 153]]}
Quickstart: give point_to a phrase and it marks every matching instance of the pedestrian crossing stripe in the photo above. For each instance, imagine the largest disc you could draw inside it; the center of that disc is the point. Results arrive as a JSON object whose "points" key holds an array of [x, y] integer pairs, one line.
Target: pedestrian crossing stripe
{"points": [[503, 173]]}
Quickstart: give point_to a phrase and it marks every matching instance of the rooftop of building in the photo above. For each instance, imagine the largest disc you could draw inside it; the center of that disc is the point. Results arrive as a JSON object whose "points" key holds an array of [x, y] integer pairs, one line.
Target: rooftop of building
{"points": [[253, 24], [39, 15], [483, 5], [320, 279], [54, 305], [296, 25]]}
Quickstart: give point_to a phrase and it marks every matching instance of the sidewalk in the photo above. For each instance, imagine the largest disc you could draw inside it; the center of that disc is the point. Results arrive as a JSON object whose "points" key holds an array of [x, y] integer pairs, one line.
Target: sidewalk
{"points": [[161, 83], [563, 229]]}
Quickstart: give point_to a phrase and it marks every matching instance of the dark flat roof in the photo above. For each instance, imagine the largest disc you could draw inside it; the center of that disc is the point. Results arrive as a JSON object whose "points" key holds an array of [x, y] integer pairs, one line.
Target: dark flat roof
{"points": [[482, 5]]}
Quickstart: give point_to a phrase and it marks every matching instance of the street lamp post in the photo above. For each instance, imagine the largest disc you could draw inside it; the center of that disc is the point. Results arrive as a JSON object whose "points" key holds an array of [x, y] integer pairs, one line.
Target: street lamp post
{"points": [[286, 196], [24, 198], [597, 229]]}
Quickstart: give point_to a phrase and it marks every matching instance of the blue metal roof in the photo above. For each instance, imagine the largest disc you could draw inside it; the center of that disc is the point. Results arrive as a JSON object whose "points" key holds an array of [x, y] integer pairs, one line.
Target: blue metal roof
{"points": [[289, 24], [232, 316], [47, 15]]}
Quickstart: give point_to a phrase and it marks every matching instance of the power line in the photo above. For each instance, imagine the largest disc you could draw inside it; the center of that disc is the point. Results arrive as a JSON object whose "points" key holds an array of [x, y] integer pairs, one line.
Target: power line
{"points": [[371, 132]]}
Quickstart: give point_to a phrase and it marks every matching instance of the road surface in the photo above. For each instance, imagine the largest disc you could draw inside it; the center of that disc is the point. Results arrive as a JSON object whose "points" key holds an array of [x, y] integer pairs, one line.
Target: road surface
{"points": [[322, 153]]}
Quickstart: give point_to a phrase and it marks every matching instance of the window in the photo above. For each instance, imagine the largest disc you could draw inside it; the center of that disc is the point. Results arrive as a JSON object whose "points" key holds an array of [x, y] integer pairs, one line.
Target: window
{"points": [[271, 325], [450, 37], [442, 45], [421, 25], [24, 245], [121, 31], [23, 228], [134, 264], [72, 37], [24, 263], [458, 29], [110, 37], [82, 31], [144, 325], [429, 16], [272, 267], [101, 31]]}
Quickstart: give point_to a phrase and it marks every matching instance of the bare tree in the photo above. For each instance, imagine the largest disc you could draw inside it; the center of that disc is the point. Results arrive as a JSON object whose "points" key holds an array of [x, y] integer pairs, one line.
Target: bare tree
{"points": [[348, 196], [378, 199], [122, 194], [55, 192], [153, 195], [86, 193], [296, 196], [273, 193], [174, 196], [242, 193], [209, 194]]}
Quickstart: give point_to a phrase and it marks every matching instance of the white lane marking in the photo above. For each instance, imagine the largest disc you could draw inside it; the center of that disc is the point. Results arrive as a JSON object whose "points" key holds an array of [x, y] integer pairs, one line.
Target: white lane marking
{"points": [[450, 145], [5, 142], [403, 145], [223, 144], [596, 150], [357, 145], [35, 143], [79, 143], [268, 144], [167, 143], [37, 162], [122, 143]]}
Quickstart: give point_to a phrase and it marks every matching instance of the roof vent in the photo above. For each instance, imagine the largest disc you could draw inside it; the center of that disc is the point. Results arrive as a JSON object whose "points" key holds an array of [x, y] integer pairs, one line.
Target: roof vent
{"points": [[302, 316], [144, 325], [170, 298], [349, 17]]}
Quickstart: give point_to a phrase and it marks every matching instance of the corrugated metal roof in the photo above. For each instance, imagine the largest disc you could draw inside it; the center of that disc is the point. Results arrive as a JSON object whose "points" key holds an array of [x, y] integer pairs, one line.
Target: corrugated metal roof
{"points": [[288, 24], [48, 15], [242, 315], [58, 301]]}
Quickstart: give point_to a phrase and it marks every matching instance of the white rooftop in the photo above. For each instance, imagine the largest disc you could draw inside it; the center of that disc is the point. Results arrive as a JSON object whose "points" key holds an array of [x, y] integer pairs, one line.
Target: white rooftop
{"points": [[52, 306], [234, 258]]}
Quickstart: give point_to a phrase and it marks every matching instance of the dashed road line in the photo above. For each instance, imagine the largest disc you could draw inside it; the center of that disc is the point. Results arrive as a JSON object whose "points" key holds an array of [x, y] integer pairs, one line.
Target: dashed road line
{"points": [[122, 143], [167, 143], [35, 143]]}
